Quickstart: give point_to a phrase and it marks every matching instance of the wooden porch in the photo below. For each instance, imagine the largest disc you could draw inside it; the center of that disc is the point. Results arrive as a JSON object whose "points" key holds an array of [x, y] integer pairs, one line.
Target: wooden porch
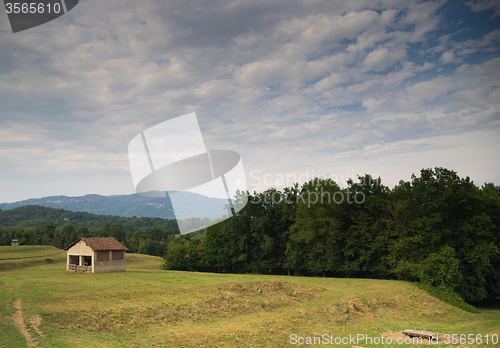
{"points": [[77, 268]]}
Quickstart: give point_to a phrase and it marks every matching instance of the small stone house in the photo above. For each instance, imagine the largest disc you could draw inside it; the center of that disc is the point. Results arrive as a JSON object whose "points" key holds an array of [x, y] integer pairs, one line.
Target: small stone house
{"points": [[95, 255]]}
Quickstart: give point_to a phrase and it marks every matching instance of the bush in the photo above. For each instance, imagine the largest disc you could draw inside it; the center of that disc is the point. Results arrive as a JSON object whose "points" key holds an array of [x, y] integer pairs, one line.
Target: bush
{"points": [[448, 296]]}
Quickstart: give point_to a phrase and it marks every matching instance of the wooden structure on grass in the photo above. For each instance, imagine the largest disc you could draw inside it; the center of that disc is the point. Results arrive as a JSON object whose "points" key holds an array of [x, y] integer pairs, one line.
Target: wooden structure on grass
{"points": [[95, 255], [419, 333]]}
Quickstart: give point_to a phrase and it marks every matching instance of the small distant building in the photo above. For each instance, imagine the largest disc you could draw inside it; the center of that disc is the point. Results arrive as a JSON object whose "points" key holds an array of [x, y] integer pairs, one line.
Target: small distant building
{"points": [[66, 219], [14, 242], [95, 255]]}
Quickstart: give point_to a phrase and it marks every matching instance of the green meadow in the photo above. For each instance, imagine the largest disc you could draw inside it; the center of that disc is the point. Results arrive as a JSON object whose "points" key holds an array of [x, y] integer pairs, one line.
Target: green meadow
{"points": [[41, 305]]}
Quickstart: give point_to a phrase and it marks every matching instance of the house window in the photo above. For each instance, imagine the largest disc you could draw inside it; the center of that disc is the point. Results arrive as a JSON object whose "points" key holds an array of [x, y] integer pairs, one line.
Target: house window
{"points": [[118, 255], [103, 256]]}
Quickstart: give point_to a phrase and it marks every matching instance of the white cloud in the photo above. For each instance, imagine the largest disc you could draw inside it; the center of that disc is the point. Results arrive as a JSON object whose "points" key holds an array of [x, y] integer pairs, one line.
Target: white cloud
{"points": [[447, 57], [285, 84], [382, 58], [480, 5]]}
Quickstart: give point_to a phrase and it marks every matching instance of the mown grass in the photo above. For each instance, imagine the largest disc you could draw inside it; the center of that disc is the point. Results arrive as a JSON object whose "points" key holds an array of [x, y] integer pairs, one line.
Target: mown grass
{"points": [[147, 307]]}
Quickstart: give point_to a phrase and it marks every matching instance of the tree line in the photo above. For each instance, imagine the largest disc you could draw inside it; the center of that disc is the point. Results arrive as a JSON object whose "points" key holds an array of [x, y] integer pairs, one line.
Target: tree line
{"points": [[438, 229], [151, 241]]}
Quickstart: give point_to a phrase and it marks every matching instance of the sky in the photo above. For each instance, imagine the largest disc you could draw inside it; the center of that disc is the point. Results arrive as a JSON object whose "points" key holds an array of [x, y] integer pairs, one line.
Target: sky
{"points": [[299, 88]]}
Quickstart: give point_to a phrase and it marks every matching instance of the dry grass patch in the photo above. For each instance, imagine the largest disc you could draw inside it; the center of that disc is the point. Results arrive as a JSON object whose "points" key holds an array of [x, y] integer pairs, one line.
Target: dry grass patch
{"points": [[228, 300]]}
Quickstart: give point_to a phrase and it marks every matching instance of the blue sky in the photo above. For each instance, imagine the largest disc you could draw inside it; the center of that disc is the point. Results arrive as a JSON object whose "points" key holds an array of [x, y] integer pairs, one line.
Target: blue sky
{"points": [[297, 88]]}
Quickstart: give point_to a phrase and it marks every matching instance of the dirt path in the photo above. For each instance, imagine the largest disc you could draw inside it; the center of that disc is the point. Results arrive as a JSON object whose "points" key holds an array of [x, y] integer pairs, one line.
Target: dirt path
{"points": [[18, 318], [35, 322]]}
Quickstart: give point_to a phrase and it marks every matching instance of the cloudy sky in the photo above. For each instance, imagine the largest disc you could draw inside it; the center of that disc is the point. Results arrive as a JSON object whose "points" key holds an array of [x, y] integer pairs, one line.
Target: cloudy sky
{"points": [[297, 87]]}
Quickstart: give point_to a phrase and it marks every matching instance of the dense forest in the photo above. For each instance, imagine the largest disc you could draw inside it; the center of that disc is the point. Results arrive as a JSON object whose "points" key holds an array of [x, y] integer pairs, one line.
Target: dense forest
{"points": [[438, 229]]}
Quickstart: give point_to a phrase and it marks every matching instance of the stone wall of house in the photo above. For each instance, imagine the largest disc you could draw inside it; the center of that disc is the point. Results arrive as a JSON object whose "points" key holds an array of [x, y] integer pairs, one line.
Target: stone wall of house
{"points": [[111, 264]]}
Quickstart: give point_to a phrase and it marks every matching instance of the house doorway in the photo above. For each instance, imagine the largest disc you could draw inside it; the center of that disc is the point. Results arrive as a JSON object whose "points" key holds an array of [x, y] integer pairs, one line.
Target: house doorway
{"points": [[74, 260]]}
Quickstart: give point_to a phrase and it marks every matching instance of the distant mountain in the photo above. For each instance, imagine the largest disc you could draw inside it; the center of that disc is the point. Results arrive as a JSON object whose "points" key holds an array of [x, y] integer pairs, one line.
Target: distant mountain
{"points": [[130, 205]]}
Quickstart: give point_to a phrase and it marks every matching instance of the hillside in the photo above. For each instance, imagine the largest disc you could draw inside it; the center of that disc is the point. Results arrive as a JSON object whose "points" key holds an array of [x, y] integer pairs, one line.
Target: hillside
{"points": [[129, 205], [29, 255], [147, 307]]}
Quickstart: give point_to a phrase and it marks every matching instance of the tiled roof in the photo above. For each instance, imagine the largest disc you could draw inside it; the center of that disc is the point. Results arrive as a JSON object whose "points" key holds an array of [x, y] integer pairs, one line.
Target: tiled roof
{"points": [[100, 243]]}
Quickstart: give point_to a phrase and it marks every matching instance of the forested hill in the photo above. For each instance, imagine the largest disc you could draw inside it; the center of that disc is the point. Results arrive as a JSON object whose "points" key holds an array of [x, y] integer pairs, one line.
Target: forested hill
{"points": [[130, 205], [36, 225], [38, 216]]}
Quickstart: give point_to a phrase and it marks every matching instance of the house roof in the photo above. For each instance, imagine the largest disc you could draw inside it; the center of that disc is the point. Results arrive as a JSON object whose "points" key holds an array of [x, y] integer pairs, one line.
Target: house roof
{"points": [[100, 243]]}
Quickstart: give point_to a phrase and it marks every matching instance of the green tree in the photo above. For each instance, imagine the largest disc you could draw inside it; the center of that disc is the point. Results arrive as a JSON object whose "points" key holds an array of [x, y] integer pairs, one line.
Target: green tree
{"points": [[316, 222], [182, 254], [67, 235], [117, 231], [365, 235], [446, 210]]}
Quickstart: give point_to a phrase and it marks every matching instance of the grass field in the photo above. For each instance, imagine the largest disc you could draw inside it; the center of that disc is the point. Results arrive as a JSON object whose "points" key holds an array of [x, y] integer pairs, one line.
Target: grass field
{"points": [[43, 306]]}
